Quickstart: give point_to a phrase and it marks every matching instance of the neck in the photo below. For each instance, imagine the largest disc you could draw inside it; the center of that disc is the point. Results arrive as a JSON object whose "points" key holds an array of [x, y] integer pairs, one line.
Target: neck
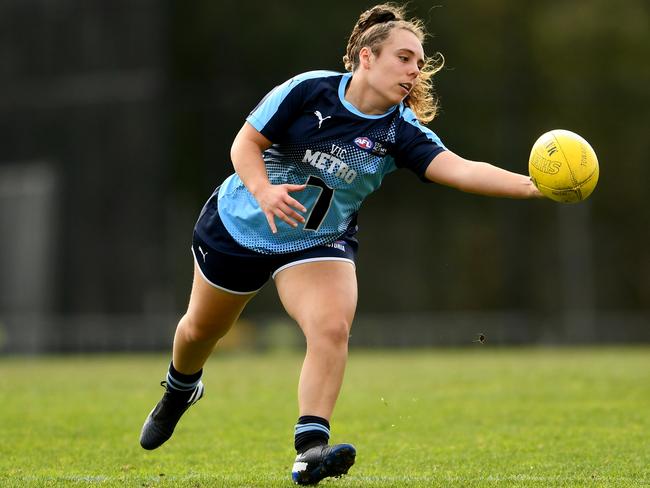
{"points": [[360, 94]]}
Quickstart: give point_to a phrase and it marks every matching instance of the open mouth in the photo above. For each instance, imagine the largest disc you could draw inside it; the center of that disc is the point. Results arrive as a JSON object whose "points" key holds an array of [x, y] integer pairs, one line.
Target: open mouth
{"points": [[406, 86]]}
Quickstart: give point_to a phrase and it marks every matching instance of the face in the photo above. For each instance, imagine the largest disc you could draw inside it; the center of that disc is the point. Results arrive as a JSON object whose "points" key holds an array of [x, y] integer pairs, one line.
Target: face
{"points": [[393, 72]]}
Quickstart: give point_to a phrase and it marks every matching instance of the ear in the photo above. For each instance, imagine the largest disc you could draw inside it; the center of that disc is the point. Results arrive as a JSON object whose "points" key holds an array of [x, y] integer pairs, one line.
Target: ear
{"points": [[364, 57]]}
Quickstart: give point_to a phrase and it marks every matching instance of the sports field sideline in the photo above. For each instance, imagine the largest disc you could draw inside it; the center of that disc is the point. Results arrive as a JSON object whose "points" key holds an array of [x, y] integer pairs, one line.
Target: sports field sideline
{"points": [[481, 416]]}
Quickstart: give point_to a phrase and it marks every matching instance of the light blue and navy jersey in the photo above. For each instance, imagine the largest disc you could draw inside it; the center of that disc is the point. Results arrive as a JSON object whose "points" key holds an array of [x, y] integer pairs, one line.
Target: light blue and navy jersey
{"points": [[341, 154]]}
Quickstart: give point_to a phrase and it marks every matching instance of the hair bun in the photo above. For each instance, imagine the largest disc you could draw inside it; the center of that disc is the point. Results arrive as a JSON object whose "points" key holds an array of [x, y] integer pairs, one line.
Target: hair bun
{"points": [[377, 16]]}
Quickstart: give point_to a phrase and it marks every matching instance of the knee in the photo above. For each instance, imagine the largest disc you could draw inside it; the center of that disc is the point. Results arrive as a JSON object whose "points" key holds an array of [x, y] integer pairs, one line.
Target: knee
{"points": [[197, 330], [332, 332]]}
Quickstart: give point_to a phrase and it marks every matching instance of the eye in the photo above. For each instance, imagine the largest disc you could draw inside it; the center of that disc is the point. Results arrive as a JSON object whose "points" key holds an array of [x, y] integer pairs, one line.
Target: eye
{"points": [[403, 58]]}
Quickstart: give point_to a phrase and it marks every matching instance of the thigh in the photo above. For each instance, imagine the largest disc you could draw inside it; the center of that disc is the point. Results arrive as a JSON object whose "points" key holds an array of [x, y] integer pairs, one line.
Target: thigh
{"points": [[214, 308], [317, 293]]}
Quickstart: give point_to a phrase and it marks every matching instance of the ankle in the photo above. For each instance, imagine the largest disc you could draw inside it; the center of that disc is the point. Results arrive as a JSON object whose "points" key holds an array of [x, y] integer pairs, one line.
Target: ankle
{"points": [[180, 382], [311, 431]]}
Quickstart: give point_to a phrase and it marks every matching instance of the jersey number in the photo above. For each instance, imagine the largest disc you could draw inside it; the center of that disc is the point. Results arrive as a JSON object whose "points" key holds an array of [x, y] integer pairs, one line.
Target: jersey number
{"points": [[322, 204]]}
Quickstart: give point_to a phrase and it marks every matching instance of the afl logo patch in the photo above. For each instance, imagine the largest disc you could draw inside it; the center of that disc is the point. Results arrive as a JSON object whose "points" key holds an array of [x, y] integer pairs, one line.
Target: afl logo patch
{"points": [[364, 143]]}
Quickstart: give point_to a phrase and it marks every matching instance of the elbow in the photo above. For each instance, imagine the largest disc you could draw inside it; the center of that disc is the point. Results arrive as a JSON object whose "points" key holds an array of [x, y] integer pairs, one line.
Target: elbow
{"points": [[234, 147], [463, 178]]}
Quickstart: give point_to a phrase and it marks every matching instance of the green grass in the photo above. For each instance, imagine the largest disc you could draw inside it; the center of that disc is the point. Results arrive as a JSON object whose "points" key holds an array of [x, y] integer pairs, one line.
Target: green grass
{"points": [[477, 417]]}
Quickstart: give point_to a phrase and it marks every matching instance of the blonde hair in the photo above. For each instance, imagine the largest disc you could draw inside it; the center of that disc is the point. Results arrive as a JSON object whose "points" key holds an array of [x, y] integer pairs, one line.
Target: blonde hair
{"points": [[372, 29]]}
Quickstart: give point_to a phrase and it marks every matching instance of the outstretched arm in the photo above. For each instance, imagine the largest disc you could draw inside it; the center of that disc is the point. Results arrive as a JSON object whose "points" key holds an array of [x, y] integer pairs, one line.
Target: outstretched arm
{"points": [[274, 200], [481, 178]]}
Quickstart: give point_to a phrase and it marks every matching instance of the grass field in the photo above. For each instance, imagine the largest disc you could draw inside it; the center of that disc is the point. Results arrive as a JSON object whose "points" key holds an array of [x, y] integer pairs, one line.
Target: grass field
{"points": [[475, 417]]}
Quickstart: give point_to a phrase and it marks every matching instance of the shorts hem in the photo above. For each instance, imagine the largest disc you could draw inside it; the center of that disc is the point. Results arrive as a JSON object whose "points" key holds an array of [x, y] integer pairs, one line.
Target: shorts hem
{"points": [[311, 260]]}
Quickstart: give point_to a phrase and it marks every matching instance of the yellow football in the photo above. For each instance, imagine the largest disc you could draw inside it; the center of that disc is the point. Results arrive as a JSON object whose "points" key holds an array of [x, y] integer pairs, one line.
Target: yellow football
{"points": [[563, 166]]}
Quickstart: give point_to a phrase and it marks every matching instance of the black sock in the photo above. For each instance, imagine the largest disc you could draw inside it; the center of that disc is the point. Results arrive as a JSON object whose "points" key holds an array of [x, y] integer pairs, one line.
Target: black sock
{"points": [[182, 382], [311, 431]]}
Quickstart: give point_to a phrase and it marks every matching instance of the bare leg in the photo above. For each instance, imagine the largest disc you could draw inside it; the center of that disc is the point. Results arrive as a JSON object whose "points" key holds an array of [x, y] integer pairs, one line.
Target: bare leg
{"points": [[210, 315], [322, 298]]}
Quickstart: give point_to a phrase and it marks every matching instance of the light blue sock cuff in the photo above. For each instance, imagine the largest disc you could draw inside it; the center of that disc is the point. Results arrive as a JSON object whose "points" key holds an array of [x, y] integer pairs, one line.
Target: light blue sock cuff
{"points": [[302, 428]]}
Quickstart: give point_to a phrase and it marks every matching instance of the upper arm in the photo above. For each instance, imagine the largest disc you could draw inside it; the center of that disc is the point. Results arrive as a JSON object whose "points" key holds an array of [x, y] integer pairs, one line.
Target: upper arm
{"points": [[248, 133], [448, 168]]}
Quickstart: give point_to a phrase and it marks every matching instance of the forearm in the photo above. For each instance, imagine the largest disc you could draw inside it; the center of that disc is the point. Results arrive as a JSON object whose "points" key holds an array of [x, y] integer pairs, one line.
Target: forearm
{"points": [[249, 165], [246, 157], [274, 200], [487, 179], [478, 177]]}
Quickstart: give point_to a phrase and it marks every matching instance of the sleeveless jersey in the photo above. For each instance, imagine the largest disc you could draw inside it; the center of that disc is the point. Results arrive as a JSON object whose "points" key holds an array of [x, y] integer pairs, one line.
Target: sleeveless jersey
{"points": [[322, 140]]}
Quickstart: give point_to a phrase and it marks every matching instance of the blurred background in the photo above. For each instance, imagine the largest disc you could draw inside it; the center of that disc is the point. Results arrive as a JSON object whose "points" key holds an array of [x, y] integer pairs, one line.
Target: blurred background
{"points": [[116, 120]]}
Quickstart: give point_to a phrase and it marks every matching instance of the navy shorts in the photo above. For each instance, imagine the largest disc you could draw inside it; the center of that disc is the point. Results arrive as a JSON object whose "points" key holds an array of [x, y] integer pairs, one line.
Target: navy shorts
{"points": [[228, 266]]}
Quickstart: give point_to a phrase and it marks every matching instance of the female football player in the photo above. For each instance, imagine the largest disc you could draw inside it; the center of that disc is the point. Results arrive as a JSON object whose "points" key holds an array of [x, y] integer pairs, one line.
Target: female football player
{"points": [[304, 161]]}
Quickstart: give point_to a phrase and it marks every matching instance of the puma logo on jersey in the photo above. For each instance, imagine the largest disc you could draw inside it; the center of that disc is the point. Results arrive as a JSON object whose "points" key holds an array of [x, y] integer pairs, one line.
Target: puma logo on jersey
{"points": [[330, 164], [321, 119]]}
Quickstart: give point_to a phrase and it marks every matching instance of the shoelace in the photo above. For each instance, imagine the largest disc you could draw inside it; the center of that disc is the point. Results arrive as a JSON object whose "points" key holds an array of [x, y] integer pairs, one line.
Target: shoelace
{"points": [[192, 393]]}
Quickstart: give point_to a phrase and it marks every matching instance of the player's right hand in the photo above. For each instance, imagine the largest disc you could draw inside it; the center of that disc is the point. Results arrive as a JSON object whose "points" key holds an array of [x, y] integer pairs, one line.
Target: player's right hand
{"points": [[275, 201]]}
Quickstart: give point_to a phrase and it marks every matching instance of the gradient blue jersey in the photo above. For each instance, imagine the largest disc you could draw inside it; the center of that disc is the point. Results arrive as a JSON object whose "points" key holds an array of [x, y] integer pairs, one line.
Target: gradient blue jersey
{"points": [[341, 153]]}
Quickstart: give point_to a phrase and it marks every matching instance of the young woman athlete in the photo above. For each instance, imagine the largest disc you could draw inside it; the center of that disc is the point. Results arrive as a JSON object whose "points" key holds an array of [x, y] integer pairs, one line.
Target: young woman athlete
{"points": [[304, 161]]}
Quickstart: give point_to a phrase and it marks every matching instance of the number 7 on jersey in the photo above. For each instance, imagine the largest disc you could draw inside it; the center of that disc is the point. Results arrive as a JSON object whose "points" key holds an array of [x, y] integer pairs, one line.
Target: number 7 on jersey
{"points": [[321, 205]]}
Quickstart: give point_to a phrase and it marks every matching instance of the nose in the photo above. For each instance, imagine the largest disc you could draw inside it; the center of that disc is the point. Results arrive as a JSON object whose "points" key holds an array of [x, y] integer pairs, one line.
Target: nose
{"points": [[415, 70]]}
